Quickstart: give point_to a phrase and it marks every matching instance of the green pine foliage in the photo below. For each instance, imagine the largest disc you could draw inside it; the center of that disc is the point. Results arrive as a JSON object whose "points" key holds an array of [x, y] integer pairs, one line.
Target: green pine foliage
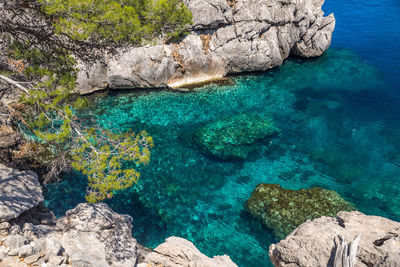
{"points": [[109, 159], [106, 160], [117, 21]]}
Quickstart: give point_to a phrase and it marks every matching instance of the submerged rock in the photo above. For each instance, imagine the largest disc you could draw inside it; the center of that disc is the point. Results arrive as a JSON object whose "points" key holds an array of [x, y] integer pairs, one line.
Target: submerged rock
{"points": [[282, 210], [234, 137], [19, 192], [226, 37], [314, 243]]}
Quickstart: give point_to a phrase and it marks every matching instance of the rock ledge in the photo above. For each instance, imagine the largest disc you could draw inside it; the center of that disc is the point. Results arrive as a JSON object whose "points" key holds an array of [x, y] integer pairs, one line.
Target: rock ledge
{"points": [[314, 243]]}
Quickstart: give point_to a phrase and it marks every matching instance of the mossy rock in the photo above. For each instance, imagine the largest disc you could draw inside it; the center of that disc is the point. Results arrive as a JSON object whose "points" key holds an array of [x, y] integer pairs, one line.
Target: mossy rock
{"points": [[282, 210], [234, 137]]}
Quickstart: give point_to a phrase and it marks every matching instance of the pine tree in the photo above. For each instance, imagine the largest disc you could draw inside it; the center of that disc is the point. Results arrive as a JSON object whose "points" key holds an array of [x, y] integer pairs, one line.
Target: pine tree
{"points": [[40, 41]]}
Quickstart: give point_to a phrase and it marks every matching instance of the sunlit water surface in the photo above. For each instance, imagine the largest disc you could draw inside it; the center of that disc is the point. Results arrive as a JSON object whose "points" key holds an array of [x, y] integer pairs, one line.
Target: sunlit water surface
{"points": [[339, 117]]}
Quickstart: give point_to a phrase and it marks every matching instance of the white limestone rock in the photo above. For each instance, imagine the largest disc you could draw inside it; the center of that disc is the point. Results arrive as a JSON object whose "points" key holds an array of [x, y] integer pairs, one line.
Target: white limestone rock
{"points": [[94, 235], [314, 243], [178, 252], [227, 37]]}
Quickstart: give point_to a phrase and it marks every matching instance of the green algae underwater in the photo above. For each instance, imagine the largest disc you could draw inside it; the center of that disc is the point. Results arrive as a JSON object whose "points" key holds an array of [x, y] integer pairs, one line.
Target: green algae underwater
{"points": [[338, 131]]}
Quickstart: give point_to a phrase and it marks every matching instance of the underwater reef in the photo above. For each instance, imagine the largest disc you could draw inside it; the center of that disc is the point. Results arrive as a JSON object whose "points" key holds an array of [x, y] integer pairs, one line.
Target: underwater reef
{"points": [[282, 210], [328, 139], [234, 137]]}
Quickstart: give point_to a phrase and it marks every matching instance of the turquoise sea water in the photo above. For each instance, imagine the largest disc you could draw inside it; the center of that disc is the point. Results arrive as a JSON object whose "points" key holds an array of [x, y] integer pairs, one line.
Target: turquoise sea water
{"points": [[339, 117]]}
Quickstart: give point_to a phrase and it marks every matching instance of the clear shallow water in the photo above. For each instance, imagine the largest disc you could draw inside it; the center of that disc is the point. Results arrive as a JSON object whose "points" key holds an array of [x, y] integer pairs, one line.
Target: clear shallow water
{"points": [[340, 124]]}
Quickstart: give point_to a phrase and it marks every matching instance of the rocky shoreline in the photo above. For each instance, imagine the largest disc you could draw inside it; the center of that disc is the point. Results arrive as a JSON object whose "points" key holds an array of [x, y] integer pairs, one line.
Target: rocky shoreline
{"points": [[226, 37], [316, 243], [94, 235], [88, 235]]}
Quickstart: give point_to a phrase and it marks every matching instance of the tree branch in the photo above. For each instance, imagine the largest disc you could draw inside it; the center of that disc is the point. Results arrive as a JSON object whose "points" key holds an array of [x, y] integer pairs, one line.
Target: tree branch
{"points": [[15, 83]]}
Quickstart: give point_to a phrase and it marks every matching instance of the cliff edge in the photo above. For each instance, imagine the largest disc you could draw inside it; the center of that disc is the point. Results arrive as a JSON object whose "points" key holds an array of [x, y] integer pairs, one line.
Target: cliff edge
{"points": [[227, 37]]}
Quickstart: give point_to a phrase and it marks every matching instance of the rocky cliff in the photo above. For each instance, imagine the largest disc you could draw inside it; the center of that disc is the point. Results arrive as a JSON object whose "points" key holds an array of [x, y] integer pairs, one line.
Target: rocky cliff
{"points": [[316, 243], [227, 37]]}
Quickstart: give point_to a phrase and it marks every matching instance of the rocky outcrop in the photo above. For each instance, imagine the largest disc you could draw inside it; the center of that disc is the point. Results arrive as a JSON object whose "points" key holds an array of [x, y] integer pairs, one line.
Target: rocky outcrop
{"points": [[92, 236], [227, 36], [282, 210], [234, 137], [316, 242], [19, 192], [177, 252], [88, 235]]}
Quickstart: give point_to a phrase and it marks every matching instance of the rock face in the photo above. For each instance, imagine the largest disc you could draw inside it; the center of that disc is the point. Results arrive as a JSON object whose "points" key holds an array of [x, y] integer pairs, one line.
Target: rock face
{"points": [[176, 252], [234, 137], [314, 243], [227, 36], [282, 210], [88, 235], [19, 192], [92, 236]]}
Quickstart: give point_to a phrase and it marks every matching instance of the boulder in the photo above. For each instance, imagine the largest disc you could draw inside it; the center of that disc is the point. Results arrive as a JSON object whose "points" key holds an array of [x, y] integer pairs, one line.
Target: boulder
{"points": [[315, 243], [176, 252], [226, 37], [88, 235], [4, 226], [282, 210], [15, 241], [19, 192], [32, 259], [8, 137], [94, 235], [234, 137], [26, 251]]}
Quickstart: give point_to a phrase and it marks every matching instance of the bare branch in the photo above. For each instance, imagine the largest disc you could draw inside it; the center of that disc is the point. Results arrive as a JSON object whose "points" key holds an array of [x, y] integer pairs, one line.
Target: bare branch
{"points": [[15, 83]]}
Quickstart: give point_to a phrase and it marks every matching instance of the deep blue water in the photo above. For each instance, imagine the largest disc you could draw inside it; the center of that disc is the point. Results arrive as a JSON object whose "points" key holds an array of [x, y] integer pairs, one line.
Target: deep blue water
{"points": [[340, 121], [371, 29]]}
